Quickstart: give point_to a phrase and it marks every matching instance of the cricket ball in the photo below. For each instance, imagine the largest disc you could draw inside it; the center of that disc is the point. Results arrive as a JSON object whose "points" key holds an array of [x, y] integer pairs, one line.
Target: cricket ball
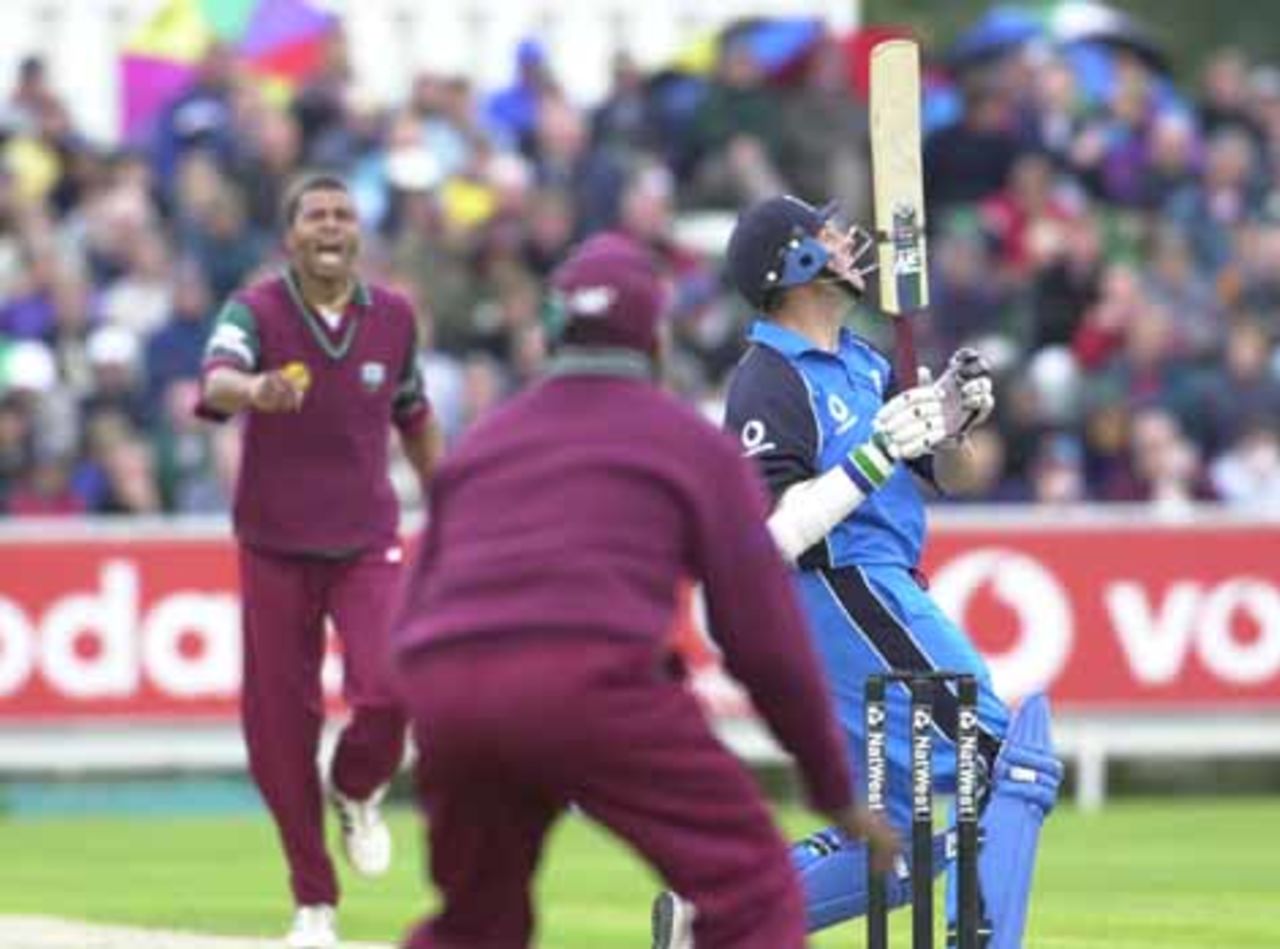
{"points": [[298, 375]]}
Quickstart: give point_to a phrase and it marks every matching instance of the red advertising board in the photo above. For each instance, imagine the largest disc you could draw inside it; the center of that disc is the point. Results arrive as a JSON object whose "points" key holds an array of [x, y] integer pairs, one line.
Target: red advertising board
{"points": [[1106, 614], [100, 628], [1123, 614]]}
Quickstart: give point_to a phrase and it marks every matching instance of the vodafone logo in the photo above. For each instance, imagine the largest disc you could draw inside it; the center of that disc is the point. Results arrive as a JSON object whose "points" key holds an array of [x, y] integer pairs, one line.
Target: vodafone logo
{"points": [[1201, 620], [100, 644], [1045, 626], [1155, 636]]}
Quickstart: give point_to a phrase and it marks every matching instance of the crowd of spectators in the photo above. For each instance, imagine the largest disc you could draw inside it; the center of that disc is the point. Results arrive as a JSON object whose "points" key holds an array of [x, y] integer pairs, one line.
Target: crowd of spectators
{"points": [[1117, 257]]}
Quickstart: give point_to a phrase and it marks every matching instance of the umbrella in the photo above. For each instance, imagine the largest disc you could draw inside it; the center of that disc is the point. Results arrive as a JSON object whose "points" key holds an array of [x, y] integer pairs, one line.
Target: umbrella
{"points": [[1086, 22], [1000, 30], [697, 57], [281, 41], [776, 43]]}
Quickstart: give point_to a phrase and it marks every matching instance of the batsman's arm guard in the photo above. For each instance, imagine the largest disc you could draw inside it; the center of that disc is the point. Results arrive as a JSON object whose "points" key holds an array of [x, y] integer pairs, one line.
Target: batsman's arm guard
{"points": [[808, 511]]}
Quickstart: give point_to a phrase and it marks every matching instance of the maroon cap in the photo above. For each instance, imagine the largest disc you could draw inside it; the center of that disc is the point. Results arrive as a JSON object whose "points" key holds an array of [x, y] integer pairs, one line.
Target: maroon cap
{"points": [[609, 294]]}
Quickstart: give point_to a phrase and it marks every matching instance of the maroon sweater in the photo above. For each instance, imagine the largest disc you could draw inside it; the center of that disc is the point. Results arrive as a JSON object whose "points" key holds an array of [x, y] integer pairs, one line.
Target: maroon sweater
{"points": [[316, 481], [578, 506]]}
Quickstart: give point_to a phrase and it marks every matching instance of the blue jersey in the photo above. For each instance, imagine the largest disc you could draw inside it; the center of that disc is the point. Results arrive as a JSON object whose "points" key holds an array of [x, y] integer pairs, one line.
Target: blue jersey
{"points": [[798, 411]]}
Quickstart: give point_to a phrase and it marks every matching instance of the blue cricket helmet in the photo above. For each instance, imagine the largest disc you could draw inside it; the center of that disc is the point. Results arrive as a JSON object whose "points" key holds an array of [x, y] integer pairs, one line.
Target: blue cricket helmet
{"points": [[775, 245]]}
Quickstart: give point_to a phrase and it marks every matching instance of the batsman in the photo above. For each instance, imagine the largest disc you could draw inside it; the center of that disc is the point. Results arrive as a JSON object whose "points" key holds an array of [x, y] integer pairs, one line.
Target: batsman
{"points": [[844, 443]]}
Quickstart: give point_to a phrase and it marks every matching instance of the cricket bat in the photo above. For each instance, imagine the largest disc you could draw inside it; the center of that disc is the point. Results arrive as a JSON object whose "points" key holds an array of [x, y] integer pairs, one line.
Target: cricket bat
{"points": [[898, 184]]}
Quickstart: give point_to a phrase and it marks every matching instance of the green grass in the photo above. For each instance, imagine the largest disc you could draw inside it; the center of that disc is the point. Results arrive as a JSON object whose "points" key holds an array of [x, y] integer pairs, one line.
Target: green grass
{"points": [[1143, 874]]}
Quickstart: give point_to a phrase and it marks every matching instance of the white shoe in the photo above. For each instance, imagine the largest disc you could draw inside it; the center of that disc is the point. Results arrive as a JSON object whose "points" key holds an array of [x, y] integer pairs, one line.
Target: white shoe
{"points": [[365, 837], [672, 920], [314, 927]]}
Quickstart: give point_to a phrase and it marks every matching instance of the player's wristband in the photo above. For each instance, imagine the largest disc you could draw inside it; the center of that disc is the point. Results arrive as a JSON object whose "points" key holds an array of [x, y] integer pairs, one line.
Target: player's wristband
{"points": [[869, 465]]}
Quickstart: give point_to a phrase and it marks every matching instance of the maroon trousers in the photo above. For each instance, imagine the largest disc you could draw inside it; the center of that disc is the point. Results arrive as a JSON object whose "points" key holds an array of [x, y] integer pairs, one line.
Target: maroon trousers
{"points": [[285, 602], [512, 731]]}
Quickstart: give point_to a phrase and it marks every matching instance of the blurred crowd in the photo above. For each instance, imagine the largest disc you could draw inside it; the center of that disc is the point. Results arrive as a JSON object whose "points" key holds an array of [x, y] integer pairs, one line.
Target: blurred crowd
{"points": [[1116, 257]]}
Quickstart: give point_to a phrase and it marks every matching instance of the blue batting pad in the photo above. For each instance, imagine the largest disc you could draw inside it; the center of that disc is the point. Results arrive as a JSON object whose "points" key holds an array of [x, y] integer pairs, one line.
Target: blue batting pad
{"points": [[833, 873], [1023, 790]]}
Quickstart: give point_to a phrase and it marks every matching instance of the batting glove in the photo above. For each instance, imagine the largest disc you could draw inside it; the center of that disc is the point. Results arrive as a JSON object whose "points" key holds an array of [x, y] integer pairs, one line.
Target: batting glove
{"points": [[968, 396], [912, 423], [906, 427]]}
